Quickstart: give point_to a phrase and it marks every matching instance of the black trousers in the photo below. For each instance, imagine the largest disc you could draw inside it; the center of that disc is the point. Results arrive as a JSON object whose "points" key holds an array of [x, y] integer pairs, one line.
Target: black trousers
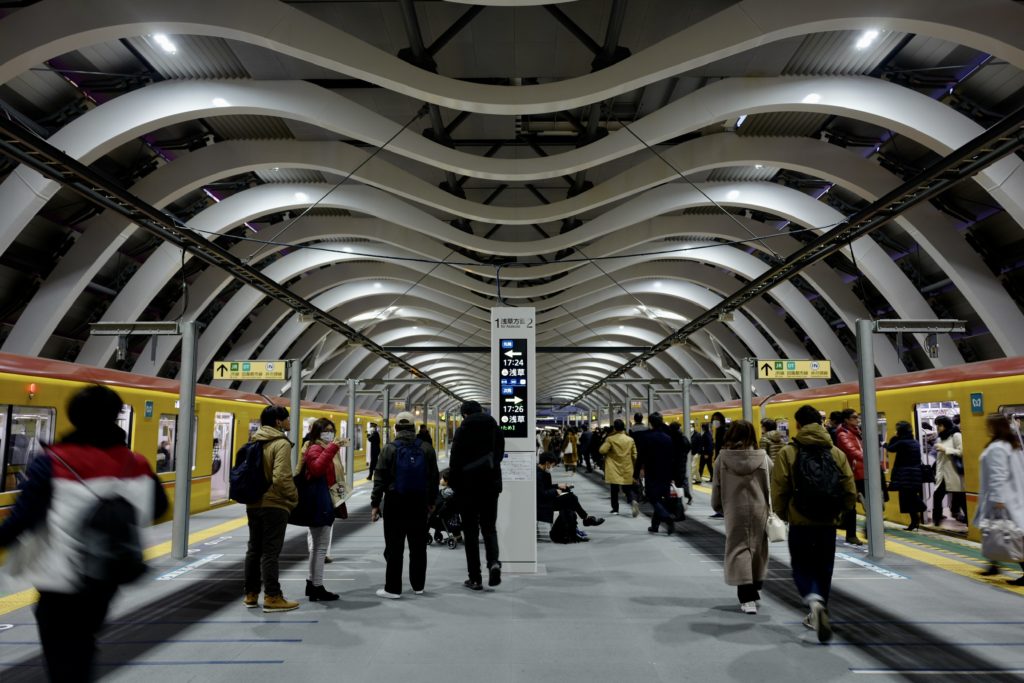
{"points": [[749, 592], [705, 461], [626, 489], [405, 520], [568, 502], [957, 504], [68, 625], [262, 557], [480, 515]]}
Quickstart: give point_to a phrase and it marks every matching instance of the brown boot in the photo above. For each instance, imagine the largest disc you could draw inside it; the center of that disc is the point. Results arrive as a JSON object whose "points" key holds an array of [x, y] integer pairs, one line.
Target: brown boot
{"points": [[277, 603]]}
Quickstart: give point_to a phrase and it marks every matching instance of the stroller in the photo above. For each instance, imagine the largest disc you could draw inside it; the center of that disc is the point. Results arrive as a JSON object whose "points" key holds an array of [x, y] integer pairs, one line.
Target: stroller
{"points": [[445, 520]]}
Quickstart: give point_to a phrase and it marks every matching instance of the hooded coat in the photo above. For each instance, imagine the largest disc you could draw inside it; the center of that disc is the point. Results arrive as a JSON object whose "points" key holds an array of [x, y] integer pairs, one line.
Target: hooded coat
{"points": [[740, 492], [277, 468], [619, 451]]}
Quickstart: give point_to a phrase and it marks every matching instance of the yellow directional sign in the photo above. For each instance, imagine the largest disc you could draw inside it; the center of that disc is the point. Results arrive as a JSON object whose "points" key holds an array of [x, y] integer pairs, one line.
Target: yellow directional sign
{"points": [[249, 369], [773, 368]]}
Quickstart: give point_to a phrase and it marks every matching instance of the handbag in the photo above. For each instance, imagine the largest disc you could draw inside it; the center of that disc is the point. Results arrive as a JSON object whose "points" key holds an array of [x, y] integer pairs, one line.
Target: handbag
{"points": [[777, 530], [479, 467], [315, 507], [928, 474], [1001, 539], [338, 501]]}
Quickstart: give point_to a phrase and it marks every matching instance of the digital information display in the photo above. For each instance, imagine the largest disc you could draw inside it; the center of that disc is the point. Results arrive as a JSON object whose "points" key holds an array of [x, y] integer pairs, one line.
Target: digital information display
{"points": [[514, 388]]}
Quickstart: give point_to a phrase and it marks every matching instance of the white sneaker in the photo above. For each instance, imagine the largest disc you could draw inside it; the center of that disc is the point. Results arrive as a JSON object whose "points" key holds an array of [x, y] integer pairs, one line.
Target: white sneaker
{"points": [[748, 607], [636, 509], [819, 617], [381, 593], [419, 592]]}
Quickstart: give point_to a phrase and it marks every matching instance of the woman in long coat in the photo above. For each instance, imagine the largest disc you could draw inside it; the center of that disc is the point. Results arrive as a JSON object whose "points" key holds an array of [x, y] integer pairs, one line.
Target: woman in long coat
{"points": [[1001, 492], [571, 450], [949, 471], [740, 492], [906, 472]]}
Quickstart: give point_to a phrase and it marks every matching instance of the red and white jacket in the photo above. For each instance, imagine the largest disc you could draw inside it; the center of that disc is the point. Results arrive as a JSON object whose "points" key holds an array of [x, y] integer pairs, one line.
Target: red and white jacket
{"points": [[43, 527]]}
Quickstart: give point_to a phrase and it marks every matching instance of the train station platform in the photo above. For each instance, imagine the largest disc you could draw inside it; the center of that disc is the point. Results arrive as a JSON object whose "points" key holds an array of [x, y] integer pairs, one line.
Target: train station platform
{"points": [[628, 605]]}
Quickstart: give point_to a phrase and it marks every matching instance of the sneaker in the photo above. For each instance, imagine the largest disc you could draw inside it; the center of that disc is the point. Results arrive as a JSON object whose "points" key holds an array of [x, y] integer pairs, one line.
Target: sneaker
{"points": [[671, 527], [419, 592], [582, 535], [473, 585], [495, 575], [593, 521], [809, 622], [328, 560], [717, 515], [1019, 581], [613, 512], [853, 540], [652, 529], [819, 617], [636, 508], [251, 600], [277, 603], [748, 607], [381, 593], [993, 570]]}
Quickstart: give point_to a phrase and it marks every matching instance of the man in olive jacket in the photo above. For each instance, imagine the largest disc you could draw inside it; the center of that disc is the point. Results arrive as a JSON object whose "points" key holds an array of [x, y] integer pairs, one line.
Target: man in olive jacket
{"points": [[268, 519], [812, 541]]}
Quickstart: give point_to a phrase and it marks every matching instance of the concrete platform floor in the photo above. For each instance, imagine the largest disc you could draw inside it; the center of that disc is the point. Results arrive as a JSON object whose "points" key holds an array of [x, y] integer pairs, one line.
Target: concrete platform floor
{"points": [[626, 606]]}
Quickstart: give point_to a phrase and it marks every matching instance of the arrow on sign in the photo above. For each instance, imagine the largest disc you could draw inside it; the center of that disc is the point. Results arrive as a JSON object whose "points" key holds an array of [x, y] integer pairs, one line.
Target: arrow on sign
{"points": [[513, 354], [766, 369], [222, 369], [514, 400]]}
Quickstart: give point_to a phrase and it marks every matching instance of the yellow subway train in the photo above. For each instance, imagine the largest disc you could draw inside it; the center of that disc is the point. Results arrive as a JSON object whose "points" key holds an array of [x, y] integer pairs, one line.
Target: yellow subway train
{"points": [[969, 391], [34, 393]]}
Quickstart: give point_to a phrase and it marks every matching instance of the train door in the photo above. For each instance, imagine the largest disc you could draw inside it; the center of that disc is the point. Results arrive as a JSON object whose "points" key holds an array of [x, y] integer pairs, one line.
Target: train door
{"points": [[24, 429], [223, 447], [124, 421], [924, 418]]}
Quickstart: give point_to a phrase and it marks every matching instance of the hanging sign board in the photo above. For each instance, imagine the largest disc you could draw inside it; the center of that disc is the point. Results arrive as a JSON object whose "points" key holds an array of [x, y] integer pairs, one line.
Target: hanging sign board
{"points": [[774, 368], [249, 369]]}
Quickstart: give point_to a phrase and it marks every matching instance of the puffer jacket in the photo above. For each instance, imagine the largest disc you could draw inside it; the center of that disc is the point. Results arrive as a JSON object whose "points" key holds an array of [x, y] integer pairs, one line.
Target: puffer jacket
{"points": [[848, 440], [772, 442], [782, 477], [277, 467], [317, 460]]}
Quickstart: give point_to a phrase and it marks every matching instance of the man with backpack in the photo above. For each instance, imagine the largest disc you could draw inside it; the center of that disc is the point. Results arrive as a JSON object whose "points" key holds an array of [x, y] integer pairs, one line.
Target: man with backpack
{"points": [[406, 481], [478, 447], [268, 513], [76, 522], [812, 488]]}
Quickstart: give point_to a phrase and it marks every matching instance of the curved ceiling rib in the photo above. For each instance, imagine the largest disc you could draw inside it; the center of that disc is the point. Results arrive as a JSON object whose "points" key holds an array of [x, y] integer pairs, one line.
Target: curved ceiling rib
{"points": [[53, 27]]}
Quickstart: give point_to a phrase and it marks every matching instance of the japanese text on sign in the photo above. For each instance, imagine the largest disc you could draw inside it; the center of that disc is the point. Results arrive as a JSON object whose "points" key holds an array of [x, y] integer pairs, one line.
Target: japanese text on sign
{"points": [[249, 369], [513, 381], [773, 368]]}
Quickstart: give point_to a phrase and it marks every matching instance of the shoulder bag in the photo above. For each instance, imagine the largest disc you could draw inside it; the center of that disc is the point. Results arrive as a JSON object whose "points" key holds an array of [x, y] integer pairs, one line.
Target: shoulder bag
{"points": [[778, 530]]}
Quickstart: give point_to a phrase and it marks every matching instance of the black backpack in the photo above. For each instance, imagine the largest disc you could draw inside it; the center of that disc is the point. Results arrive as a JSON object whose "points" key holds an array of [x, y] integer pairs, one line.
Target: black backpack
{"points": [[817, 483], [564, 528], [248, 482], [111, 547]]}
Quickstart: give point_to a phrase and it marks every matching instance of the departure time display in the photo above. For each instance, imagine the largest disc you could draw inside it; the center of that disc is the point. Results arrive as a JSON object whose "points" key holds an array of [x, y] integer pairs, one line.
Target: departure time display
{"points": [[514, 396]]}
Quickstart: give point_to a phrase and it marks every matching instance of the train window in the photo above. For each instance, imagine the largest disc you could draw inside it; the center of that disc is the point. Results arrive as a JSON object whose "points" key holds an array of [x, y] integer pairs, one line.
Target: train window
{"points": [[782, 424], [1016, 415], [359, 437], [26, 428], [307, 424], [254, 426], [223, 447], [166, 429], [124, 421]]}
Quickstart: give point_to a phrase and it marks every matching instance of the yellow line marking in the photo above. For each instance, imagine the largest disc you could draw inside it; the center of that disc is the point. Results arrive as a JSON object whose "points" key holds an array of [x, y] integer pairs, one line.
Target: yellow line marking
{"points": [[26, 598]]}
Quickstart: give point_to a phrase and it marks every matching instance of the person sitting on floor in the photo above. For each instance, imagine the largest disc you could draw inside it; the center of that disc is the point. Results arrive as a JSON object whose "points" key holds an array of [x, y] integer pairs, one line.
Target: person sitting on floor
{"points": [[551, 497]]}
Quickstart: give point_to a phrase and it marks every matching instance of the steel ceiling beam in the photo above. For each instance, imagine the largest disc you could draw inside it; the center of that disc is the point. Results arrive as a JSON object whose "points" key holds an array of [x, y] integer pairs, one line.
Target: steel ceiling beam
{"points": [[1001, 140], [23, 146]]}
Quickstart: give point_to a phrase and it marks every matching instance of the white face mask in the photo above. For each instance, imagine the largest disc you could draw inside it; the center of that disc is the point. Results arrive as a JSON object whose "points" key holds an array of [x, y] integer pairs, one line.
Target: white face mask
{"points": [[373, 429], [327, 436], [715, 424]]}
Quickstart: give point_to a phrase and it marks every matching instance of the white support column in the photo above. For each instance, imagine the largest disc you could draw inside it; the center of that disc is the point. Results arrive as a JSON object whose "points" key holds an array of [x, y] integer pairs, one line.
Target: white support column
{"points": [[746, 390], [869, 432], [350, 452], [514, 407]]}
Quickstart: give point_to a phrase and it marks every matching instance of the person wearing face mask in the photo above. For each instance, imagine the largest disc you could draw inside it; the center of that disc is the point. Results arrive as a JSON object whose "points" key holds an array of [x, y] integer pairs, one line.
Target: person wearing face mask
{"points": [[849, 442], [718, 435], [949, 471], [320, 447], [373, 437]]}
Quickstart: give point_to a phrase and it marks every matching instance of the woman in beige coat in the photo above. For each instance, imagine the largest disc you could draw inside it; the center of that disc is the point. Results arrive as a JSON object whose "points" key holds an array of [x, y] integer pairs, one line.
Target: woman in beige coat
{"points": [[740, 492], [619, 451]]}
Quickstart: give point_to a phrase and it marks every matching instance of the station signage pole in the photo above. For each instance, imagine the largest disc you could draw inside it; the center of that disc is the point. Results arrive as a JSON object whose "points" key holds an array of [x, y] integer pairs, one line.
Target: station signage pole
{"points": [[350, 451], [514, 407]]}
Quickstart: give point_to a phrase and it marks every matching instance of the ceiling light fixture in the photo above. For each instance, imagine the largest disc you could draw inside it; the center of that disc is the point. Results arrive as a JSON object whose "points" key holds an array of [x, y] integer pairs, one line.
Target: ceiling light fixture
{"points": [[347, 250], [812, 98], [758, 166], [220, 102], [302, 196], [740, 120], [732, 194], [377, 285], [165, 43], [866, 39]]}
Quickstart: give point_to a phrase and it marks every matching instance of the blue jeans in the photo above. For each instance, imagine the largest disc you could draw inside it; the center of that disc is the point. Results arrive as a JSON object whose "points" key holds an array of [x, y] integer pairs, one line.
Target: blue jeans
{"points": [[813, 553]]}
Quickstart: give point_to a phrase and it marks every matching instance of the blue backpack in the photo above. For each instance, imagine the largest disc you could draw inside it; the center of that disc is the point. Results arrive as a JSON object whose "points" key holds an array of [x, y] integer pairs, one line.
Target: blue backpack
{"points": [[248, 482], [410, 467]]}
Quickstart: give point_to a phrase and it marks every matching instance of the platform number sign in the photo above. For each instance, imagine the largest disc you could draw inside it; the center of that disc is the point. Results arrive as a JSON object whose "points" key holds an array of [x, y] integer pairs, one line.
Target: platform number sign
{"points": [[514, 395]]}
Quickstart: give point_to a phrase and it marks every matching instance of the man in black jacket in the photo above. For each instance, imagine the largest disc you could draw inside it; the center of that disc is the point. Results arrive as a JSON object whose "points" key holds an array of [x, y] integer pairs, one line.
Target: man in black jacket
{"points": [[551, 497], [373, 438], [656, 462], [478, 447]]}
